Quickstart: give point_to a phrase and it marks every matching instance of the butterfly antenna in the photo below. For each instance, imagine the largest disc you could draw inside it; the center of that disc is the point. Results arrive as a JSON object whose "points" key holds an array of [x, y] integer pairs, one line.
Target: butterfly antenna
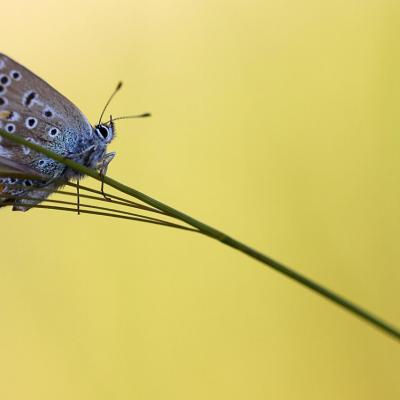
{"points": [[144, 115], [109, 100]]}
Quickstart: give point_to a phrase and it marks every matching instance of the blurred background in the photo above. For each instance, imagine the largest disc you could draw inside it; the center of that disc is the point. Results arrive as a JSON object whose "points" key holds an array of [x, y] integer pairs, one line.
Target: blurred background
{"points": [[274, 121]]}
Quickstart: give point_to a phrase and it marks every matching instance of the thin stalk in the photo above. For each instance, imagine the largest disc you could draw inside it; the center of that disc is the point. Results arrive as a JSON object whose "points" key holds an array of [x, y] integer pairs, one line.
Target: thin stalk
{"points": [[138, 217], [220, 236], [102, 199], [114, 216], [120, 199], [114, 211]]}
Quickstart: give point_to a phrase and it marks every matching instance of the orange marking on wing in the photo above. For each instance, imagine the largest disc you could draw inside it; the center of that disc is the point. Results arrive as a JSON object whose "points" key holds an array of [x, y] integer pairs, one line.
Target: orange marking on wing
{"points": [[4, 114]]}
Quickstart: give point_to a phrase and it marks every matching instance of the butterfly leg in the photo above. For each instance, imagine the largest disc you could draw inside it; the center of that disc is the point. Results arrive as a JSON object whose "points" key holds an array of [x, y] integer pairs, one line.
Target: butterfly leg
{"points": [[103, 171]]}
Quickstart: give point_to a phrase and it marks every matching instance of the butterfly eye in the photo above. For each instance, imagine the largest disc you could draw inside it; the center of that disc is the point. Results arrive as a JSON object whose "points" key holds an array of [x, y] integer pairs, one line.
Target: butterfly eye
{"points": [[103, 132]]}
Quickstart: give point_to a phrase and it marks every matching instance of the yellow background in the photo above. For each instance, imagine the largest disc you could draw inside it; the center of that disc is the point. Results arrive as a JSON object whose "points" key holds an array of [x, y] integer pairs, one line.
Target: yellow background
{"points": [[275, 121]]}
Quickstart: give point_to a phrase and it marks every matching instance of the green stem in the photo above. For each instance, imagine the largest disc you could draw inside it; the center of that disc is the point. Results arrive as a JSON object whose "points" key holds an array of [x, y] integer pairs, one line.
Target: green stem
{"points": [[149, 221], [218, 235]]}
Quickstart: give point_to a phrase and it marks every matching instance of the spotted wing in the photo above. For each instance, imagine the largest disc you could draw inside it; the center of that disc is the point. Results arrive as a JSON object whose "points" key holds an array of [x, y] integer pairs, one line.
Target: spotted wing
{"points": [[31, 108], [9, 167]]}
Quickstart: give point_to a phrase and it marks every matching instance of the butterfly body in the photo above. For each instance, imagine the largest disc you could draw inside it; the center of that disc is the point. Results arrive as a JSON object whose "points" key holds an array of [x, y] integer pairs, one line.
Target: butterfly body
{"points": [[31, 108]]}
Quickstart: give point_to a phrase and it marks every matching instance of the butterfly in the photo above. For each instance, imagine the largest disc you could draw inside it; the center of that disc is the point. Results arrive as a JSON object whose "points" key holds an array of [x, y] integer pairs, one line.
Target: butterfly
{"points": [[31, 108]]}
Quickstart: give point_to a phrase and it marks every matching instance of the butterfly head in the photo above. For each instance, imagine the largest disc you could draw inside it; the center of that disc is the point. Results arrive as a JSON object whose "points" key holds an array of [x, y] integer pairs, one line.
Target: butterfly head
{"points": [[104, 132]]}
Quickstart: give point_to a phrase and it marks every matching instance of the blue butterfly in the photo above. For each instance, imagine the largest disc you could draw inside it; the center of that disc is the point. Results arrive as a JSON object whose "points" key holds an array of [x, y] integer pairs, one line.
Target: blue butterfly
{"points": [[31, 108]]}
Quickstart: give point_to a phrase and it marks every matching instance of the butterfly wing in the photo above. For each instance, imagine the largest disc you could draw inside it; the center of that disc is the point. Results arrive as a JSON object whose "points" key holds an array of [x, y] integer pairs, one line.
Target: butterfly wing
{"points": [[28, 92], [10, 168], [31, 108]]}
